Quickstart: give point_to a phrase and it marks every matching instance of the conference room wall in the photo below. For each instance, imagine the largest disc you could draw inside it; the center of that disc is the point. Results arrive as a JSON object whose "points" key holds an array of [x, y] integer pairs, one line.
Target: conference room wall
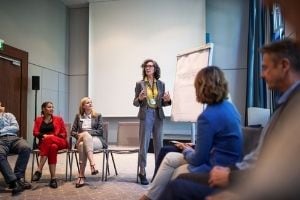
{"points": [[227, 24], [79, 30], [41, 29]]}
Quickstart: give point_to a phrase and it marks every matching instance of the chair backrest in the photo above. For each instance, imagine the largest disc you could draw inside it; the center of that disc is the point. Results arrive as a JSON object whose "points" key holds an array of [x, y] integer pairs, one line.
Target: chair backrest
{"points": [[251, 138], [258, 116], [128, 134], [68, 129], [105, 131]]}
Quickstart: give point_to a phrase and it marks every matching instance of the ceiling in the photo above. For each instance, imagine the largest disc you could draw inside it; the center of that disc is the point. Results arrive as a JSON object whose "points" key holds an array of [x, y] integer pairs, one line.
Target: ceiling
{"points": [[80, 3], [77, 3]]}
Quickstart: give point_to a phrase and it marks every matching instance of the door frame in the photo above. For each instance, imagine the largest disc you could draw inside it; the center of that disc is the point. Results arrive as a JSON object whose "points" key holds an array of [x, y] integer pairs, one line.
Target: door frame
{"points": [[22, 56]]}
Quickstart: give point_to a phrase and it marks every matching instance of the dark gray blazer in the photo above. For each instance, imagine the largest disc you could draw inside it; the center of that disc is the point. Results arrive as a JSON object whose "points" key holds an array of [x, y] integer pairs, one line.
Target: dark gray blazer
{"points": [[97, 128], [143, 104]]}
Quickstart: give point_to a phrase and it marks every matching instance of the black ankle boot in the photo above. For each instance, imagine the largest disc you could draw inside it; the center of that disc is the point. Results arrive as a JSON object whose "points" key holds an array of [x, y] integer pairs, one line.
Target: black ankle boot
{"points": [[37, 176], [143, 179], [15, 187], [24, 184], [53, 183]]}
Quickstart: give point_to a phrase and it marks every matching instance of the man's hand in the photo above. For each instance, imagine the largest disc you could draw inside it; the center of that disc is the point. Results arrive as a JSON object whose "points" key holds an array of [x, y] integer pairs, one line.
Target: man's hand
{"points": [[219, 177], [2, 109]]}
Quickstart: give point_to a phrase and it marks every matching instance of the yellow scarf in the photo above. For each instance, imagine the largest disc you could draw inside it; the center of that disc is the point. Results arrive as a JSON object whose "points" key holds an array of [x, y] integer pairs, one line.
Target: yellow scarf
{"points": [[152, 92]]}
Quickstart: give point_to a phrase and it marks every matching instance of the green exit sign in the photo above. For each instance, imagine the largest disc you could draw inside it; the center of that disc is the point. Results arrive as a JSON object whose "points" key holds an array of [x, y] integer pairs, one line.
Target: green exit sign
{"points": [[1, 44]]}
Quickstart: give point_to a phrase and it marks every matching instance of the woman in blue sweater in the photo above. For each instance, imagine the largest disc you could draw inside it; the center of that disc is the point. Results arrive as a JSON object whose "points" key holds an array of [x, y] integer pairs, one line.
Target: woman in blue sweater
{"points": [[219, 136]]}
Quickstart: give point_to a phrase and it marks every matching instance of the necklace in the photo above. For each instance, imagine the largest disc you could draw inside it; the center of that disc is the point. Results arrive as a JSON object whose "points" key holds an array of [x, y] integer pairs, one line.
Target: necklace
{"points": [[48, 119]]}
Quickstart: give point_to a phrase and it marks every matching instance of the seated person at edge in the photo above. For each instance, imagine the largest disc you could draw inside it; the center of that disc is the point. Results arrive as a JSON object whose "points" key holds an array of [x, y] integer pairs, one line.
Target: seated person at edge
{"points": [[88, 130], [219, 136], [244, 180], [52, 135], [11, 143], [175, 147]]}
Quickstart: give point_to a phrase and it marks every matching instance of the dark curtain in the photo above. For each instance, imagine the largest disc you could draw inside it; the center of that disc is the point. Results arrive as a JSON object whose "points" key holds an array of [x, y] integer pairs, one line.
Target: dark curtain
{"points": [[277, 33], [265, 25], [256, 94]]}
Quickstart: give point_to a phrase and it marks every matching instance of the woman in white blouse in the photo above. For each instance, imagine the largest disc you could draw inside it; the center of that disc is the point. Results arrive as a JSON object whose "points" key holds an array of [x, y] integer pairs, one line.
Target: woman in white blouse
{"points": [[88, 130]]}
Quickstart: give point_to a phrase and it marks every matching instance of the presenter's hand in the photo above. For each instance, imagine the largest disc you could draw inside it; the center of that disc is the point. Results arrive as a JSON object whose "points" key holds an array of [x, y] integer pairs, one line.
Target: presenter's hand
{"points": [[166, 97], [142, 95]]}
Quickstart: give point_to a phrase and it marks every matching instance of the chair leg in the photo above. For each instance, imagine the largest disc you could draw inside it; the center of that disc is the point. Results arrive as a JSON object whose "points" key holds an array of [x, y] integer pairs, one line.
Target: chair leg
{"points": [[71, 158], [137, 170], [71, 165], [67, 155], [113, 160], [32, 164], [77, 162], [37, 159], [35, 155], [107, 165], [103, 164]]}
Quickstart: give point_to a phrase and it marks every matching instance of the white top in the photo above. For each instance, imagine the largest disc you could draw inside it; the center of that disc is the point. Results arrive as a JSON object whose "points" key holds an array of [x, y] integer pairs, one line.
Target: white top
{"points": [[86, 122]]}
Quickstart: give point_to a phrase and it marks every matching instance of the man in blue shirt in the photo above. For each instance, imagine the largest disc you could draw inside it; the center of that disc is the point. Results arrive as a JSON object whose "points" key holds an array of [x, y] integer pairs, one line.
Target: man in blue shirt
{"points": [[11, 143]]}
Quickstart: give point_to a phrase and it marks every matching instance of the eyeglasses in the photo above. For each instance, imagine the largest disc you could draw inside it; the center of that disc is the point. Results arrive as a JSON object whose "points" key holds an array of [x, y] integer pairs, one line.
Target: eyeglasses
{"points": [[149, 65]]}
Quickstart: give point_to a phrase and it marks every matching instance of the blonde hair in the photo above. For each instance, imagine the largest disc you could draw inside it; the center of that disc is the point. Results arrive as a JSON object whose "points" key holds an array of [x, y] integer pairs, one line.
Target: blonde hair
{"points": [[211, 85], [81, 109]]}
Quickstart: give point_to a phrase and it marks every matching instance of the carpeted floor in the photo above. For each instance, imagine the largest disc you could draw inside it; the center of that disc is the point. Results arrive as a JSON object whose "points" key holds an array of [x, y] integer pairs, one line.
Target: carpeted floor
{"points": [[123, 186]]}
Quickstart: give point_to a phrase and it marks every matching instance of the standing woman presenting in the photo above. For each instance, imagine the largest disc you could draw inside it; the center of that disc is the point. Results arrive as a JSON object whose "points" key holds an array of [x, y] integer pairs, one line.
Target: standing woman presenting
{"points": [[150, 96]]}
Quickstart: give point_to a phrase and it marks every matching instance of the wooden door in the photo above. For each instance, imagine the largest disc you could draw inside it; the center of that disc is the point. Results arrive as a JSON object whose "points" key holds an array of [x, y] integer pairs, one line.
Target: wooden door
{"points": [[13, 84], [10, 87]]}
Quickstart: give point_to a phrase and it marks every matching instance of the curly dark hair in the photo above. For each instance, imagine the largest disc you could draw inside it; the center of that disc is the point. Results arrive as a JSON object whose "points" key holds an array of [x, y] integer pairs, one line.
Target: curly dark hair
{"points": [[156, 68], [44, 105], [211, 85]]}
